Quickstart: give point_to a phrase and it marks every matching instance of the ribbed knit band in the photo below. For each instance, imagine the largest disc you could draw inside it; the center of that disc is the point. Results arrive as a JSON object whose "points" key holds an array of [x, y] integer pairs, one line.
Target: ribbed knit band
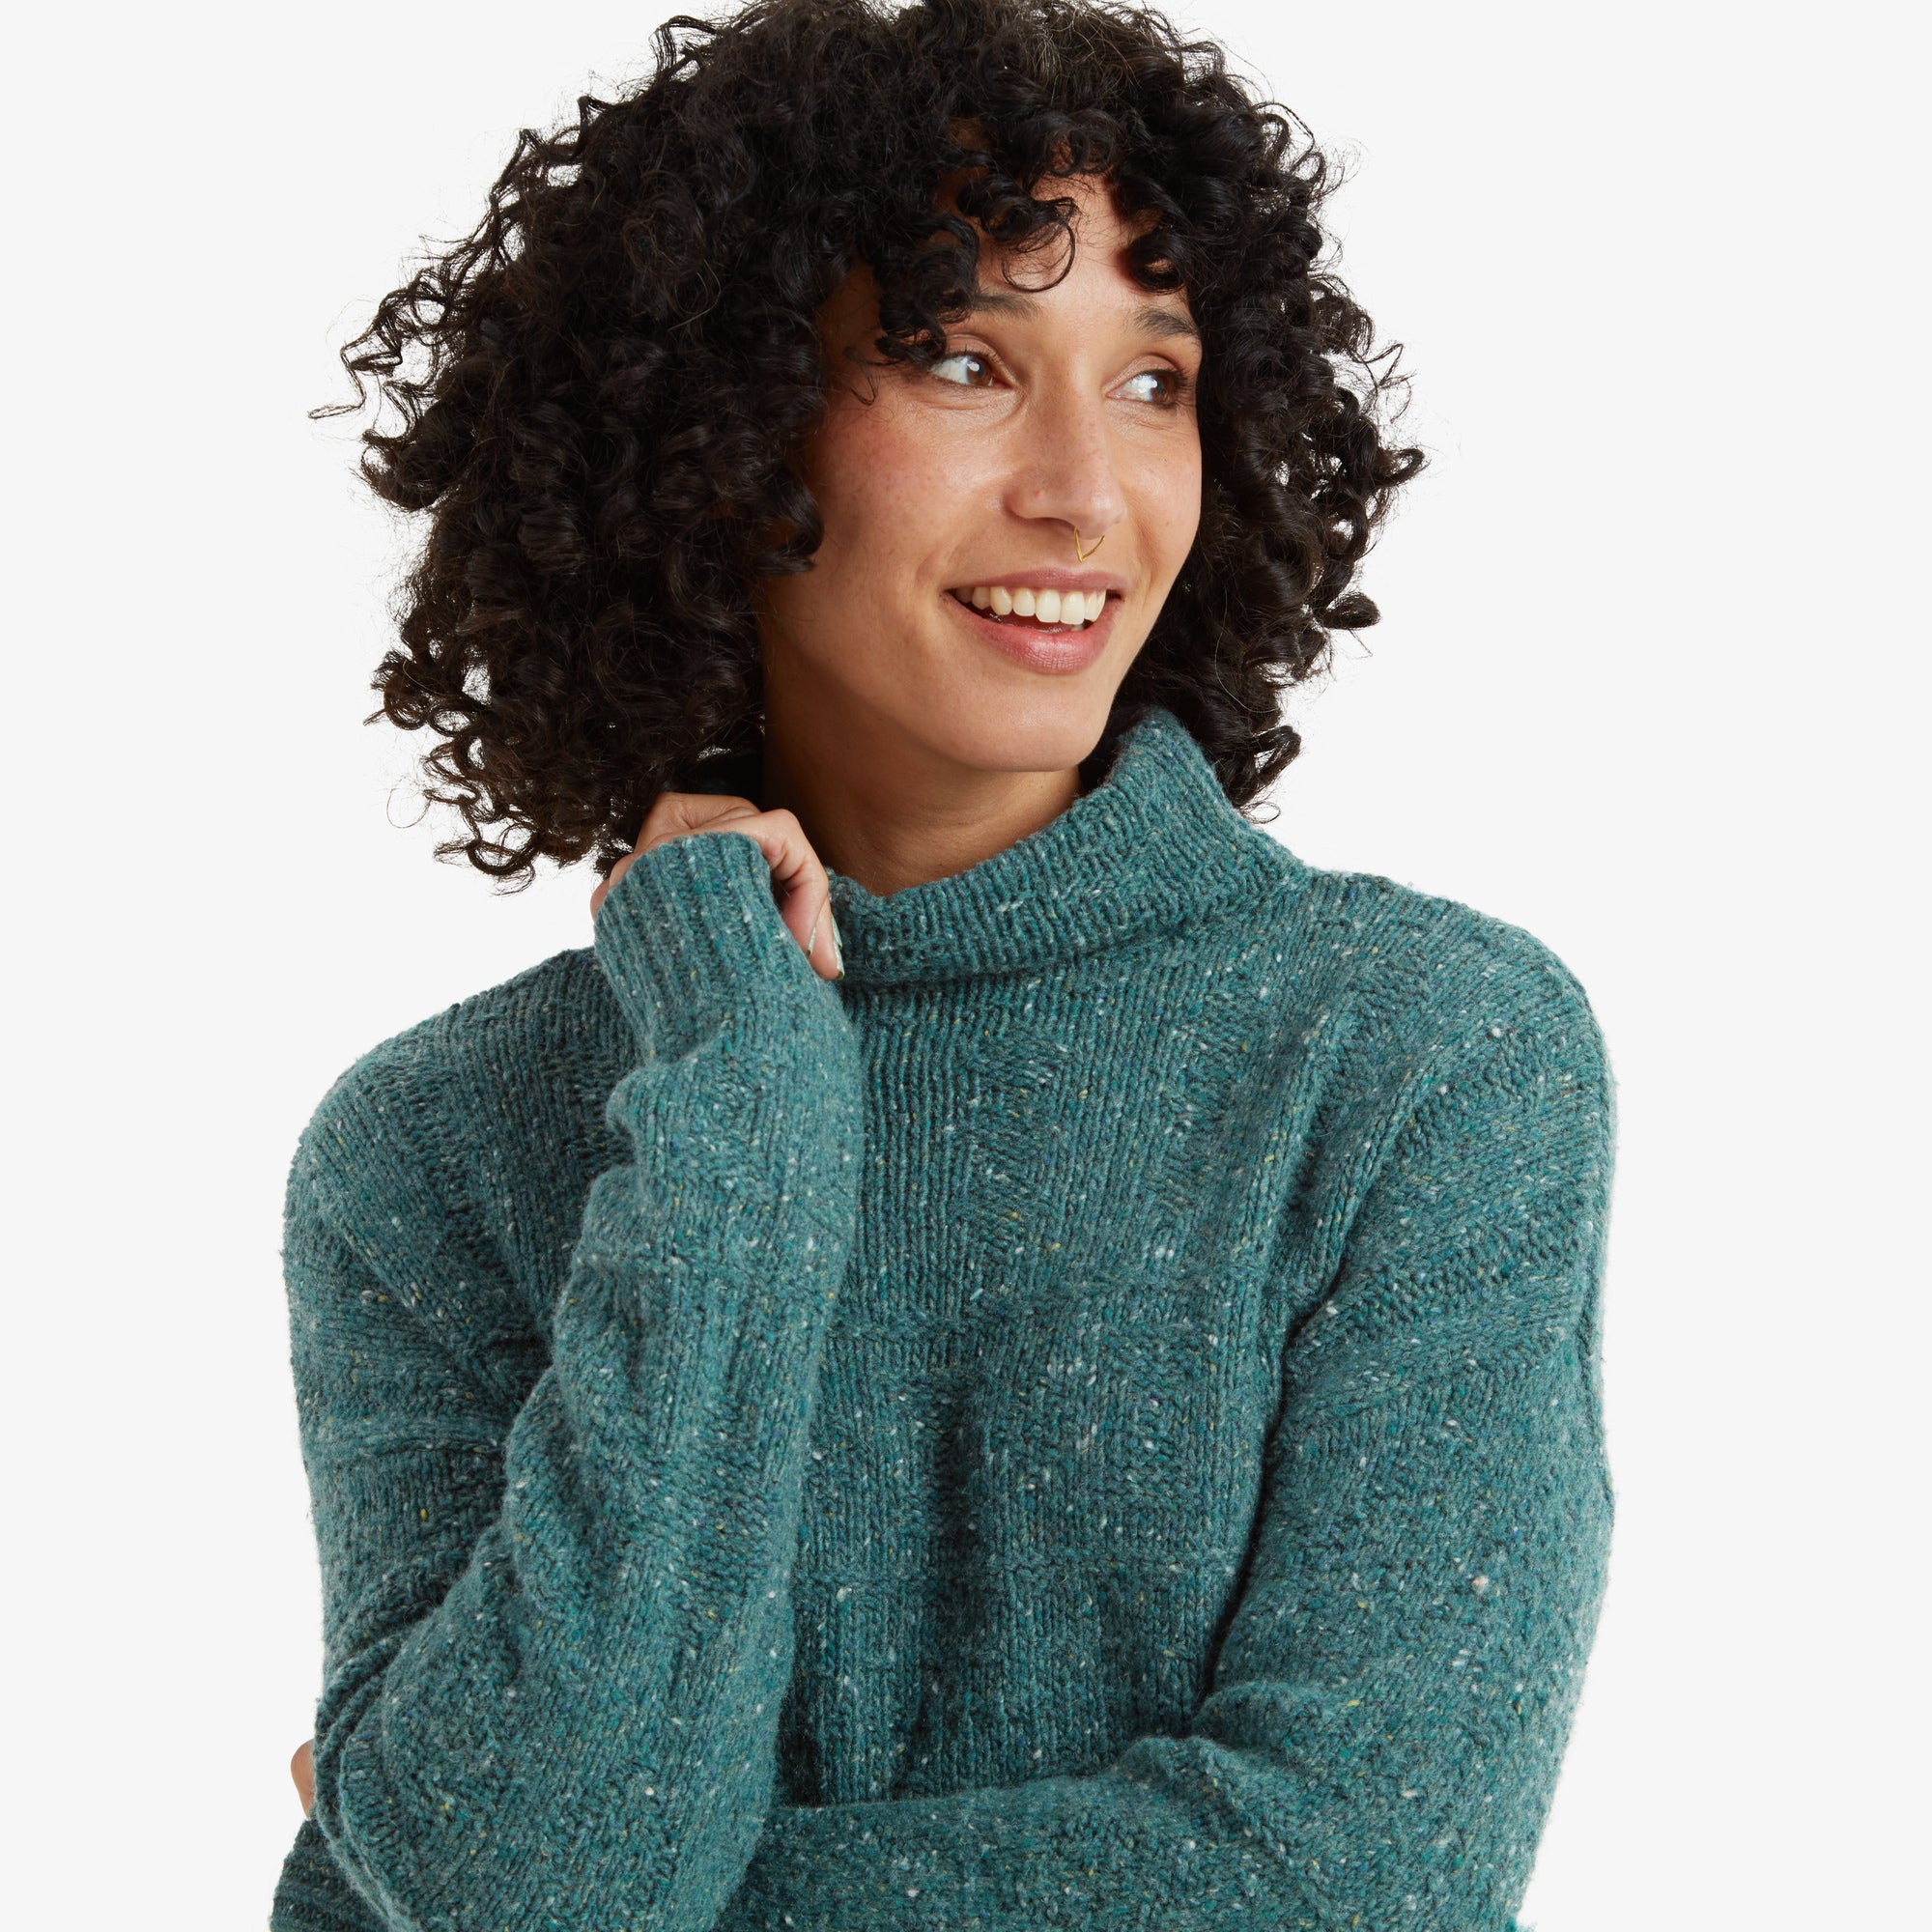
{"points": [[689, 931], [310, 1896]]}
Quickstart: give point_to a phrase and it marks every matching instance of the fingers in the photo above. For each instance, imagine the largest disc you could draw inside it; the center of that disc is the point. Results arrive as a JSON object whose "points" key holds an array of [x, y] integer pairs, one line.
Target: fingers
{"points": [[301, 1768], [799, 880]]}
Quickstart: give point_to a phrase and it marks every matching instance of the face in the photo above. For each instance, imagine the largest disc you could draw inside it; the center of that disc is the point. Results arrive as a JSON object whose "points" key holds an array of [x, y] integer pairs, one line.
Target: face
{"points": [[936, 615]]}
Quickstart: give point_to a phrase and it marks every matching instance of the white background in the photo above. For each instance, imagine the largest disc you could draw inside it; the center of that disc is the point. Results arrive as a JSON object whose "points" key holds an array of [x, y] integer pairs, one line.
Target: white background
{"points": [[1649, 683]]}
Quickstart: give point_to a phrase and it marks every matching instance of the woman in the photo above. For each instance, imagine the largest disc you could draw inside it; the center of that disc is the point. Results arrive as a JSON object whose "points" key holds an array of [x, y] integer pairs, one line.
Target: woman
{"points": [[999, 1350]]}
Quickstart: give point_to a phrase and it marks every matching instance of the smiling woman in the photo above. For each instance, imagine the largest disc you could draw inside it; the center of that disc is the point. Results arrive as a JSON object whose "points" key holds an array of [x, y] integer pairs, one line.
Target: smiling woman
{"points": [[1052, 425], [998, 1351], [608, 392]]}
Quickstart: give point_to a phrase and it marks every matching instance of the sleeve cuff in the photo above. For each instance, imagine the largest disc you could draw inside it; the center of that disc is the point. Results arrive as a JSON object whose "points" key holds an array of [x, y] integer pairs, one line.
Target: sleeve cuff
{"points": [[689, 932], [312, 1896]]}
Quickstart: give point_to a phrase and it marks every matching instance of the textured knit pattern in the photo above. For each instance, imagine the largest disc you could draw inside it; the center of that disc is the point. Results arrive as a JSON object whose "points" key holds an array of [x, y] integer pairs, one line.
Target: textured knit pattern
{"points": [[1091, 1421]]}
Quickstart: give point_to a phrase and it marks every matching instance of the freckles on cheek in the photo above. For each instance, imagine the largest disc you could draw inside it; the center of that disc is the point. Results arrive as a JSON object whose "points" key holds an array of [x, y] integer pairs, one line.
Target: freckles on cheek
{"points": [[880, 498], [1176, 519]]}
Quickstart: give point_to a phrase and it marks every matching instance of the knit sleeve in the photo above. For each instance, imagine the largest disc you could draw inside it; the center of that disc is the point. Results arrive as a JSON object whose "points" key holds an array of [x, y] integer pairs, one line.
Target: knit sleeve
{"points": [[558, 1634], [1382, 1733]]}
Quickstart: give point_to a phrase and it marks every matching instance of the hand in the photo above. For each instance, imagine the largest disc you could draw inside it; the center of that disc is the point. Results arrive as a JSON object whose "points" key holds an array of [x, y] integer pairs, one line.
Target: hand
{"points": [[804, 892], [301, 1768]]}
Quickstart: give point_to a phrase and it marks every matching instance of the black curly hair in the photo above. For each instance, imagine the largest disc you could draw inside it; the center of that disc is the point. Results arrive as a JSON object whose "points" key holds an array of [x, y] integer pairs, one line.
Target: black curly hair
{"points": [[600, 386]]}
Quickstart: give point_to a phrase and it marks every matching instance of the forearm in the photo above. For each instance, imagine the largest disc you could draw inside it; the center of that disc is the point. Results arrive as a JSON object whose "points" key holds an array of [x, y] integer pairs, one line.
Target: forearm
{"points": [[579, 1730], [1382, 1742]]}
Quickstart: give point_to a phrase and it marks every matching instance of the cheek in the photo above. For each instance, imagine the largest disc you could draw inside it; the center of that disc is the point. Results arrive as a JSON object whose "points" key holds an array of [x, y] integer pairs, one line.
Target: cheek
{"points": [[1172, 490], [884, 492]]}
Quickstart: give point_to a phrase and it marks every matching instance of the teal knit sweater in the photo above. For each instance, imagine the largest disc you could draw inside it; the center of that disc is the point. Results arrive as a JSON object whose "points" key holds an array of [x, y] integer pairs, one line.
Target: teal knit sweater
{"points": [[1091, 1421]]}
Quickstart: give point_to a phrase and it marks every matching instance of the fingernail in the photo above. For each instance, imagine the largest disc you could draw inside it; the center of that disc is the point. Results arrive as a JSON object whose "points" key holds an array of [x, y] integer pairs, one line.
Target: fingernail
{"points": [[812, 938], [838, 951]]}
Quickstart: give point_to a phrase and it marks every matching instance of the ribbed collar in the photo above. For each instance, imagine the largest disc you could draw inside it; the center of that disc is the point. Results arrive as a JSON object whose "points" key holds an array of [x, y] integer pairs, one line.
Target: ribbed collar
{"points": [[1153, 848]]}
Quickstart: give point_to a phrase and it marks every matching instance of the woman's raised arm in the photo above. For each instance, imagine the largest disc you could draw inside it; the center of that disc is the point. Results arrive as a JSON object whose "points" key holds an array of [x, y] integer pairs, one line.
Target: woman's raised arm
{"points": [[558, 1634]]}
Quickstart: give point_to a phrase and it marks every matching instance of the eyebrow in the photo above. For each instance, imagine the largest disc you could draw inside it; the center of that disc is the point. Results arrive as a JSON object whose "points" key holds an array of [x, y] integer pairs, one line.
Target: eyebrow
{"points": [[1150, 318]]}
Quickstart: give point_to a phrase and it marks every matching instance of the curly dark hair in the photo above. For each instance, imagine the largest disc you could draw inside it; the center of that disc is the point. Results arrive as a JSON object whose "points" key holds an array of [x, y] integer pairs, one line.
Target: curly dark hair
{"points": [[600, 386]]}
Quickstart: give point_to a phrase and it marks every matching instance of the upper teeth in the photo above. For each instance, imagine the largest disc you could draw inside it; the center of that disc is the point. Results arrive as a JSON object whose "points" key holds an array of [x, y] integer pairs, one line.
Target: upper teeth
{"points": [[1051, 606]]}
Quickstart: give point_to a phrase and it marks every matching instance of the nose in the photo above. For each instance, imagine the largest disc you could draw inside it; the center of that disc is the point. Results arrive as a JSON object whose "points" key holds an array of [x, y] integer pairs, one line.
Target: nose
{"points": [[1066, 470]]}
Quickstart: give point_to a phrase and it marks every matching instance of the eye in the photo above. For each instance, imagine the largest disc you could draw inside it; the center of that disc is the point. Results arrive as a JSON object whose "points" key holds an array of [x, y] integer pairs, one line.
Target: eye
{"points": [[1170, 386], [965, 356]]}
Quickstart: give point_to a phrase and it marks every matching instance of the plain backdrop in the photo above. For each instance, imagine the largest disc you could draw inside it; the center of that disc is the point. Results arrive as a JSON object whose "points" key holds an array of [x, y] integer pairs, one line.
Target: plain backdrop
{"points": [[1649, 683]]}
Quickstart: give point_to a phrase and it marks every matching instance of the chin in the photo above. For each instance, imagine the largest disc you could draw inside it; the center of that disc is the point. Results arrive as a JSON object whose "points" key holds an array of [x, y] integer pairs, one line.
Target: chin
{"points": [[1047, 730]]}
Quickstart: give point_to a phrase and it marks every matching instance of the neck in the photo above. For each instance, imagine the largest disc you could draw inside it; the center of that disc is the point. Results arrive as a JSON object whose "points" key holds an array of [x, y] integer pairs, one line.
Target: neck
{"points": [[1149, 847], [888, 811]]}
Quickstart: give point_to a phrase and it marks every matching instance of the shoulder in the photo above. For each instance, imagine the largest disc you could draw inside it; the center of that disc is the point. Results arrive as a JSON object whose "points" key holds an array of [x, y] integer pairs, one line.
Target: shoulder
{"points": [[1429, 972], [412, 1110], [1469, 1150], [1384, 999], [415, 1197]]}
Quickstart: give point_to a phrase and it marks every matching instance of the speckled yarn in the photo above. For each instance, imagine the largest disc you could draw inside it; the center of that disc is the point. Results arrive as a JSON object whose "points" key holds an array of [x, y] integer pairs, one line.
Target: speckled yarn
{"points": [[1093, 1421]]}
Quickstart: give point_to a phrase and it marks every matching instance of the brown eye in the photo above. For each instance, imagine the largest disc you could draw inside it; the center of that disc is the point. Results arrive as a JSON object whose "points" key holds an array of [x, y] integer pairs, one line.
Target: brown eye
{"points": [[1170, 384], [954, 360]]}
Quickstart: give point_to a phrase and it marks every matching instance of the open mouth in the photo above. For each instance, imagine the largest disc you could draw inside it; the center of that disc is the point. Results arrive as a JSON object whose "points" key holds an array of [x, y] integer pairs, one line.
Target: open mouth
{"points": [[1050, 611]]}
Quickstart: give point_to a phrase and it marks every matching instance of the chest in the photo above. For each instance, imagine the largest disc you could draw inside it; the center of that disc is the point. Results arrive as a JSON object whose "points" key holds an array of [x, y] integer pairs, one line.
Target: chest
{"points": [[1043, 1408], [1067, 1260]]}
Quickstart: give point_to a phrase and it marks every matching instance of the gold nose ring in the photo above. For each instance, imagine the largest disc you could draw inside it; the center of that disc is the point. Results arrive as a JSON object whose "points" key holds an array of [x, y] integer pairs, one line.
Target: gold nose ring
{"points": [[1083, 554]]}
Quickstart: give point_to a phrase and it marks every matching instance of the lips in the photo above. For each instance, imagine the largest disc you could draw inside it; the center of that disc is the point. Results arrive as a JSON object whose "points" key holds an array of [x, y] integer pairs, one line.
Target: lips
{"points": [[1056, 649]]}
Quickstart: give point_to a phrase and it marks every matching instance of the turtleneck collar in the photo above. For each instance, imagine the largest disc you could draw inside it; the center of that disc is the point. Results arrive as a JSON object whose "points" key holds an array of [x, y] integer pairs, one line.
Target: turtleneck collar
{"points": [[1155, 846]]}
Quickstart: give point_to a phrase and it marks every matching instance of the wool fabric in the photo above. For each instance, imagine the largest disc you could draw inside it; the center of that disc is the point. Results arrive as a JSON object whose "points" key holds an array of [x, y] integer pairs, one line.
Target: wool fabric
{"points": [[1093, 1420]]}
